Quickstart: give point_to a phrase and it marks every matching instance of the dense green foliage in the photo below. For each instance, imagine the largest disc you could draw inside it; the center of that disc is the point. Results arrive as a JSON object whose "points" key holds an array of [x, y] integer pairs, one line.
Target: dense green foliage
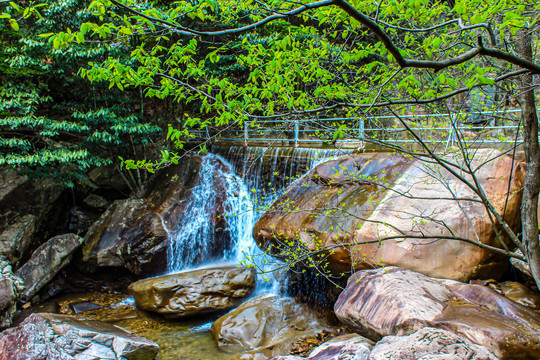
{"points": [[226, 63], [52, 121], [320, 62]]}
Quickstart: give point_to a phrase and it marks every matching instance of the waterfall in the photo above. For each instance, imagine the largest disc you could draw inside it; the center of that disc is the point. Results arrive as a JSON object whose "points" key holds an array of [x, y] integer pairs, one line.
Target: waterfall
{"points": [[246, 181]]}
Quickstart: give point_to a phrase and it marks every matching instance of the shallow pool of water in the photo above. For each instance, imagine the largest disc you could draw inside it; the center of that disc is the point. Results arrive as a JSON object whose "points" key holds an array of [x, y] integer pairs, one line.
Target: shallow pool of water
{"points": [[179, 339]]}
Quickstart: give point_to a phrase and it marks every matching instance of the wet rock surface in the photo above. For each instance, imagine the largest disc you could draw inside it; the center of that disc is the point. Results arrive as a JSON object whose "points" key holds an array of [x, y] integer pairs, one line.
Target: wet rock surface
{"points": [[416, 206], [188, 339], [429, 343], [266, 326], [48, 336], [395, 301], [135, 233], [520, 294], [11, 287], [194, 292], [46, 262]]}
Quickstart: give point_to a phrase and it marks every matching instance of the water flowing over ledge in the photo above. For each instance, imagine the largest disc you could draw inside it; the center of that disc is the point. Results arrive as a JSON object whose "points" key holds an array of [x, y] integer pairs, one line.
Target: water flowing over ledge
{"points": [[239, 183]]}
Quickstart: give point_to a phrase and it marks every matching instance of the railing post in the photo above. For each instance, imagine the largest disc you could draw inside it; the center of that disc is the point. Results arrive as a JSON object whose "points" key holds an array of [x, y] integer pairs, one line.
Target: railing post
{"points": [[361, 129], [245, 133], [296, 133]]}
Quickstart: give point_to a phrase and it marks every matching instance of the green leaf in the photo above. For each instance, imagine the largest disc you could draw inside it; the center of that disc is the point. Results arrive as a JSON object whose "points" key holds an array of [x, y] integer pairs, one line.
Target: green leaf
{"points": [[14, 24]]}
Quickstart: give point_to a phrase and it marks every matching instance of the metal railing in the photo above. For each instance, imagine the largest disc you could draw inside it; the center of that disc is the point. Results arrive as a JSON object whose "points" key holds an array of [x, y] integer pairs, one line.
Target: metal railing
{"points": [[302, 131]]}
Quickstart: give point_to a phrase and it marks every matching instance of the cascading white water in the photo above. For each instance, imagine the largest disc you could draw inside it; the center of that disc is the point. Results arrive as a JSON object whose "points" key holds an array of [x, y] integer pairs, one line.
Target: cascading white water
{"points": [[257, 178], [194, 233]]}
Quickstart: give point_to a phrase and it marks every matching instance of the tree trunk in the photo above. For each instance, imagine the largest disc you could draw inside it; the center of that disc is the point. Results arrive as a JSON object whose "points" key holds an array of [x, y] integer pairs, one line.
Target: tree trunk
{"points": [[531, 188]]}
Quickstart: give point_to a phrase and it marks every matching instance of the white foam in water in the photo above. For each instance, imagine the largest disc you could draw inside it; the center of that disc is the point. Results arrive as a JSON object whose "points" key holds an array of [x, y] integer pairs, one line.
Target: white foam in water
{"points": [[194, 234]]}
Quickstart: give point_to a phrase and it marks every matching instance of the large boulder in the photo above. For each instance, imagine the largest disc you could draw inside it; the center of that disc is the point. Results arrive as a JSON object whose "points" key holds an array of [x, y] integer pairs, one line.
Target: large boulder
{"points": [[266, 326], [368, 210], [429, 344], [137, 233], [395, 301], [426, 344], [106, 245], [63, 337], [11, 287], [194, 292], [46, 261]]}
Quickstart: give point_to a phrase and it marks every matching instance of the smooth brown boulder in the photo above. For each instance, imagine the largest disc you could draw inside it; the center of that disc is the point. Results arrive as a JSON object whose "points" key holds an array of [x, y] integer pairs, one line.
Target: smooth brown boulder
{"points": [[63, 337], [136, 233], [376, 202], [267, 326], [194, 292], [429, 344], [395, 301], [46, 261]]}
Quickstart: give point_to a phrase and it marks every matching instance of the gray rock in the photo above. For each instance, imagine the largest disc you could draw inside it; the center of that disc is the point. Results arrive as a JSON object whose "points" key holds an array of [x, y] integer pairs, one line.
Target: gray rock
{"points": [[21, 196], [104, 238], [108, 177], [194, 292], [59, 337], [429, 344], [96, 202], [17, 237], [522, 266], [11, 288], [46, 262]]}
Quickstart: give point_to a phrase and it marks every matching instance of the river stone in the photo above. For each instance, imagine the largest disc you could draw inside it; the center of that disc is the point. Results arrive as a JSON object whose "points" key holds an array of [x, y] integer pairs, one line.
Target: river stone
{"points": [[375, 196], [11, 287], [344, 347], [136, 233], [521, 294], [429, 344], [267, 326], [63, 337], [395, 301], [194, 292], [46, 261]]}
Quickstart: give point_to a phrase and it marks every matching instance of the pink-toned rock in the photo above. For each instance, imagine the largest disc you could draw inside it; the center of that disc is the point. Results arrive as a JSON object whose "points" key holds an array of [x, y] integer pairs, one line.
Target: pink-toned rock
{"points": [[429, 344], [344, 347], [63, 337], [395, 301], [395, 211]]}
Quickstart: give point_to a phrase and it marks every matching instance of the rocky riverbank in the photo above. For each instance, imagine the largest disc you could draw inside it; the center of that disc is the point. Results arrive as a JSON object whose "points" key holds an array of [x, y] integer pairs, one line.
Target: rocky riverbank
{"points": [[400, 298]]}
